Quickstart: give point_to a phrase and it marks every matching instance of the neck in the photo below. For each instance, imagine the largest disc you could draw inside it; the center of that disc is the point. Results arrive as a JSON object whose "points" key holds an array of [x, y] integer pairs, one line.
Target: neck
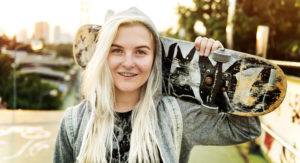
{"points": [[125, 101]]}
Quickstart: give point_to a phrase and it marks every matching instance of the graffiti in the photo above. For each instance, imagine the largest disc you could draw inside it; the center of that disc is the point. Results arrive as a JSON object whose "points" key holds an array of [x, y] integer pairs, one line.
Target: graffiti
{"points": [[33, 136], [243, 84], [268, 141], [286, 156], [294, 104], [177, 72], [37, 147]]}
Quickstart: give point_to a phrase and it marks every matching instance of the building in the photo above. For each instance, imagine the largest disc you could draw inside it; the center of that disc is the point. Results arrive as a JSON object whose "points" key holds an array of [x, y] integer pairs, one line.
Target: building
{"points": [[2, 32], [84, 12], [57, 35], [22, 36], [41, 31]]}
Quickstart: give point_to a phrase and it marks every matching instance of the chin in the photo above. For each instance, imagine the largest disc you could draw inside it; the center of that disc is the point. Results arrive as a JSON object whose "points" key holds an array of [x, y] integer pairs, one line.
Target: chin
{"points": [[128, 89]]}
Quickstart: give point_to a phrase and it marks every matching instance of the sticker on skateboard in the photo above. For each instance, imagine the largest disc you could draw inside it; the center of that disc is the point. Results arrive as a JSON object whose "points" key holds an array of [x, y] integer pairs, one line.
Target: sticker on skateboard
{"points": [[228, 80]]}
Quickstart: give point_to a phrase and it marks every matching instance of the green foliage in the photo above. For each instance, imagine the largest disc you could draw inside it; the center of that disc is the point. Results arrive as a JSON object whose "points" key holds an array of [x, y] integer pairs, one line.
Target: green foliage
{"points": [[32, 93], [12, 44], [35, 94], [5, 75], [282, 17], [61, 50], [4, 41], [62, 68], [64, 50], [212, 13]]}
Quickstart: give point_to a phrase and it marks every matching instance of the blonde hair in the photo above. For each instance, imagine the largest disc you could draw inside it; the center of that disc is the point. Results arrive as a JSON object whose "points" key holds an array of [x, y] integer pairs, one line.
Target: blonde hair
{"points": [[98, 89]]}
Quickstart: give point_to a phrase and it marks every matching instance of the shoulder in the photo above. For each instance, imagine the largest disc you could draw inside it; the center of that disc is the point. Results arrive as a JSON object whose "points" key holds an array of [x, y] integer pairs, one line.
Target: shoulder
{"points": [[78, 111], [170, 102], [76, 116], [170, 107], [178, 103]]}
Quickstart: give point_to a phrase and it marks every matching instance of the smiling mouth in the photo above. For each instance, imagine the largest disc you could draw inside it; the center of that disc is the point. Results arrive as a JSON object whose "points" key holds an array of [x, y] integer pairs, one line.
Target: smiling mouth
{"points": [[127, 74]]}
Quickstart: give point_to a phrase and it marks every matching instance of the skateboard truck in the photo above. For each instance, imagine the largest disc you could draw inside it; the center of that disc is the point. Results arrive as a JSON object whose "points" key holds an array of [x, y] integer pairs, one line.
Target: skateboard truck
{"points": [[220, 56]]}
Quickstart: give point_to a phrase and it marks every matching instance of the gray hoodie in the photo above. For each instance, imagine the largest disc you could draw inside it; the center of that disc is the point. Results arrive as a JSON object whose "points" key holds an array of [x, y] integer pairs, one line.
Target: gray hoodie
{"points": [[198, 128]]}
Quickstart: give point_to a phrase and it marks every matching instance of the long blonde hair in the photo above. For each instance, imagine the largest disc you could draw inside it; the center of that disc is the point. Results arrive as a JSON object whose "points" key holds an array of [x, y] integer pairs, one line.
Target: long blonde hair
{"points": [[98, 90]]}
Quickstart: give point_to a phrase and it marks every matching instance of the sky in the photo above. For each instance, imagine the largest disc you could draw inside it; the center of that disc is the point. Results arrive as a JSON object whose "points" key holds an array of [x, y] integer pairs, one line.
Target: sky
{"points": [[16, 15]]}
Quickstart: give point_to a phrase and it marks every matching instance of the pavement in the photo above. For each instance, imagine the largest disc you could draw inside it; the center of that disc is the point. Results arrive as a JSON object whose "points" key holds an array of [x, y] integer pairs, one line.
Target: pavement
{"points": [[29, 136], [225, 154]]}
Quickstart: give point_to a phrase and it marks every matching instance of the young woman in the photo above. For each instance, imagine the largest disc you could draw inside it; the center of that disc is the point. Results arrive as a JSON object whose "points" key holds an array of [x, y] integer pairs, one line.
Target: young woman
{"points": [[123, 118]]}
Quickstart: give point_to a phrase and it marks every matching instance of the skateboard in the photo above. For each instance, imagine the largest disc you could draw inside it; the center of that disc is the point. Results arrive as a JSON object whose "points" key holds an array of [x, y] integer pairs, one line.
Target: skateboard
{"points": [[226, 81]]}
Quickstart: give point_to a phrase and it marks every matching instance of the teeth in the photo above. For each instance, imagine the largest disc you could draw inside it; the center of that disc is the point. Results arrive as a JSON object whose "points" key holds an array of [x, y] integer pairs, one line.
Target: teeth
{"points": [[127, 74]]}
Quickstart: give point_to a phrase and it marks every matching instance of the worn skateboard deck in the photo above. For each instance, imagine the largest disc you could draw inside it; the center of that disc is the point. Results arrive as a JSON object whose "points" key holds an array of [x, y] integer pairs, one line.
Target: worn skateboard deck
{"points": [[228, 80]]}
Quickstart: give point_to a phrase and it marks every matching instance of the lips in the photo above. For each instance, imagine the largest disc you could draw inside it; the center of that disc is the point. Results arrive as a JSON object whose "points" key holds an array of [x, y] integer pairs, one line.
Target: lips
{"points": [[127, 74]]}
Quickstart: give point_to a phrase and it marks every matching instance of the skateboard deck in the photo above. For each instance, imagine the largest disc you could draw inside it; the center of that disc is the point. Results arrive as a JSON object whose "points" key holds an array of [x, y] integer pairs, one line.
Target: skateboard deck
{"points": [[227, 81]]}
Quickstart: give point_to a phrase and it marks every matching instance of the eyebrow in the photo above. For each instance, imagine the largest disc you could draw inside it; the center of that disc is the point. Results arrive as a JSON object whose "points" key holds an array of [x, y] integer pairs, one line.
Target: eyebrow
{"points": [[138, 47], [119, 46]]}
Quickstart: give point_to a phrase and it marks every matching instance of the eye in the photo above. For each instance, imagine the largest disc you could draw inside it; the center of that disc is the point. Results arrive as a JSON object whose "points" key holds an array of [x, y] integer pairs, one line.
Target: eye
{"points": [[141, 52], [116, 51]]}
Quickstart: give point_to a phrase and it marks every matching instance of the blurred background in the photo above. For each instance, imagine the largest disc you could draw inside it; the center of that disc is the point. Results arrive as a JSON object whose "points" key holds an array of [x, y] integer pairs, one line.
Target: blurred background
{"points": [[39, 78]]}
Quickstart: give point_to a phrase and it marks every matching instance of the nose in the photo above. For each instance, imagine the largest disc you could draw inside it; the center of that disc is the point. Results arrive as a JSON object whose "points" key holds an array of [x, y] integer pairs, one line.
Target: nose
{"points": [[128, 61]]}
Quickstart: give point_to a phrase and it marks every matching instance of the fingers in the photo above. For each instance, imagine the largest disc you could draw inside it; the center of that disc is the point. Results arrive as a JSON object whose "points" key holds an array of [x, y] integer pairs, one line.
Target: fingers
{"points": [[217, 45], [205, 46], [200, 44], [197, 42], [208, 47]]}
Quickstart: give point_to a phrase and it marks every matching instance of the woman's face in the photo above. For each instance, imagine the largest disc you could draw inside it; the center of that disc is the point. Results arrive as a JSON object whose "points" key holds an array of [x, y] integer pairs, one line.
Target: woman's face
{"points": [[131, 57]]}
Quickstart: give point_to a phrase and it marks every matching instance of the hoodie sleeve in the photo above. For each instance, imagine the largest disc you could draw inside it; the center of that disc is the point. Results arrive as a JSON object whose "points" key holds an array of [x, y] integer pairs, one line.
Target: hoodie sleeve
{"points": [[63, 152], [219, 129]]}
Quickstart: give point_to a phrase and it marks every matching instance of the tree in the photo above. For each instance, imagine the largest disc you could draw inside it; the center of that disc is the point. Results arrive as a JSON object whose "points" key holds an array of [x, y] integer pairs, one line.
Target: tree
{"points": [[12, 44], [282, 17], [213, 15], [32, 92], [64, 50], [4, 41], [5, 75]]}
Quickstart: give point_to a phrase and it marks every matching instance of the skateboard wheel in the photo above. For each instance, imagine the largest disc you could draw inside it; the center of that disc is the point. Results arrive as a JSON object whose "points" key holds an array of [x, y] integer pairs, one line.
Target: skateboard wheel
{"points": [[221, 55], [209, 80]]}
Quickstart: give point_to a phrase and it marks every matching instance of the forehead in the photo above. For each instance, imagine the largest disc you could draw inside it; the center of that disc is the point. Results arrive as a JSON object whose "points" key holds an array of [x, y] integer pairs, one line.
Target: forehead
{"points": [[136, 25], [134, 33]]}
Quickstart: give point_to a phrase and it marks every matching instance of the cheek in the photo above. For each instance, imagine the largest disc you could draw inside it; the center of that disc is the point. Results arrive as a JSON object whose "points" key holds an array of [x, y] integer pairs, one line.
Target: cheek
{"points": [[111, 63], [147, 66]]}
